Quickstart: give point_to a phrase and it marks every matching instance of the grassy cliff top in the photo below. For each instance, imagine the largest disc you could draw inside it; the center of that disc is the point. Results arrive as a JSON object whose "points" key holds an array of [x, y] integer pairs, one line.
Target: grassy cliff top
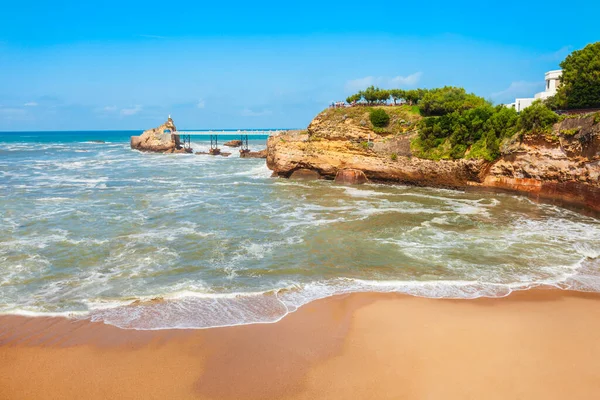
{"points": [[402, 118]]}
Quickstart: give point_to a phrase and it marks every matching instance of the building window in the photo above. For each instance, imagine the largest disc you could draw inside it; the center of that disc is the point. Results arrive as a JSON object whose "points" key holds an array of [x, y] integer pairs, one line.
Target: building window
{"points": [[548, 84]]}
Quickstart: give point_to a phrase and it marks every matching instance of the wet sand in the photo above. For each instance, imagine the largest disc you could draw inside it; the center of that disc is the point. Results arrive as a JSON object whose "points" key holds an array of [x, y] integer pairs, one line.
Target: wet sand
{"points": [[539, 344]]}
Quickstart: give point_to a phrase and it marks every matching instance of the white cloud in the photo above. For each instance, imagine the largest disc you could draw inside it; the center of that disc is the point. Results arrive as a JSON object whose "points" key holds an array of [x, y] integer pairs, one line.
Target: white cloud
{"points": [[360, 83], [31, 104], [246, 112], [110, 109], [383, 81], [409, 80], [201, 103], [131, 111], [518, 89]]}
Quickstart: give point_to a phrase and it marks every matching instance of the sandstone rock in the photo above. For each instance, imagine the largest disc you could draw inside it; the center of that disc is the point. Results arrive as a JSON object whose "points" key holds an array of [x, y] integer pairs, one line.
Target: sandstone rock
{"points": [[563, 167], [289, 152], [253, 154], [305, 174], [180, 150], [233, 143], [351, 177], [566, 169], [135, 142], [160, 140]]}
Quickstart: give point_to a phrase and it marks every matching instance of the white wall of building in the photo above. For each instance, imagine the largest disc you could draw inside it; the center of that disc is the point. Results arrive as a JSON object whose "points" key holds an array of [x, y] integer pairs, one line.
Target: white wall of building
{"points": [[552, 82]]}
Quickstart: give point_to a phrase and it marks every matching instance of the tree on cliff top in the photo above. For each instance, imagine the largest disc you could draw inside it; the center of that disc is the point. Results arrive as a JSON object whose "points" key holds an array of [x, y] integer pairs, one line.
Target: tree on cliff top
{"points": [[374, 95], [580, 81], [442, 101], [414, 96], [353, 98], [397, 94]]}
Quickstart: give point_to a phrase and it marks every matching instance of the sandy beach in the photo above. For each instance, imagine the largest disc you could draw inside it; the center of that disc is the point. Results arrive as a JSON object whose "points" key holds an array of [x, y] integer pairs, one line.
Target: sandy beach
{"points": [[539, 344]]}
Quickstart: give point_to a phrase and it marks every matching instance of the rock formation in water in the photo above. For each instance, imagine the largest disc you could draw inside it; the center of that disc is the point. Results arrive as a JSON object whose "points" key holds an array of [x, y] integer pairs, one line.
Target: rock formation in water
{"points": [[233, 143], [162, 139], [213, 152], [253, 154], [563, 165], [349, 176]]}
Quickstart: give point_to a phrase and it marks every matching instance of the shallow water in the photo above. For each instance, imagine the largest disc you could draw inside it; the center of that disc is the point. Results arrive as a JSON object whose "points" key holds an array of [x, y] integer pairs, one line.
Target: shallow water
{"points": [[88, 229]]}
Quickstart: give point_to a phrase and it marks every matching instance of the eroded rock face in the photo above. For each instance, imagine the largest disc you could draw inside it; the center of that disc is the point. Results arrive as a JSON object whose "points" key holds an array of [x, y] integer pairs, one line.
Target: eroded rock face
{"points": [[294, 150], [351, 177], [305, 174], [562, 166], [162, 139]]}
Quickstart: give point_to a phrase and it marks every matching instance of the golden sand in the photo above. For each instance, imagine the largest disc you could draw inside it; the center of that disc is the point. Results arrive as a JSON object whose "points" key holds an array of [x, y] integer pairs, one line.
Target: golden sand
{"points": [[539, 344]]}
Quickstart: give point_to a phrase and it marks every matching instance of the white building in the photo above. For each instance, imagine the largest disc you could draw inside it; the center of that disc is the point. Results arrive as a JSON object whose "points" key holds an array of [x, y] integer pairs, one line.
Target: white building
{"points": [[552, 83]]}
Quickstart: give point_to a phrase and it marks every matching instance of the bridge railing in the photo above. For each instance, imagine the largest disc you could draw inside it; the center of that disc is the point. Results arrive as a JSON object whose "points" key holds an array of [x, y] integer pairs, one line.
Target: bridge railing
{"points": [[258, 132]]}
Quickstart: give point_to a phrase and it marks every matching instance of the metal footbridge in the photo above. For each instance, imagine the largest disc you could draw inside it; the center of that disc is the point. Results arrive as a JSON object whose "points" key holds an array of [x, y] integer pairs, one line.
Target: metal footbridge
{"points": [[185, 136]]}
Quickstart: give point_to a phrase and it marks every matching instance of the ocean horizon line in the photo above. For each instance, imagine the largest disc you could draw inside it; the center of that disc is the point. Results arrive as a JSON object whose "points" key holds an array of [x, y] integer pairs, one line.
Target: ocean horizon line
{"points": [[142, 130]]}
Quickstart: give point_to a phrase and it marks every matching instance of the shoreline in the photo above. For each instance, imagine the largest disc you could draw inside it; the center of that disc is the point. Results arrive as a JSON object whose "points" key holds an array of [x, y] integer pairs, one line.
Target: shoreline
{"points": [[93, 317], [539, 343]]}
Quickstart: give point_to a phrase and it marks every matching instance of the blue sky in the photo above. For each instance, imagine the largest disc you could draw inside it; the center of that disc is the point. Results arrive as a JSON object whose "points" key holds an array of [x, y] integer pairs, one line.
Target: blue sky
{"points": [[67, 65]]}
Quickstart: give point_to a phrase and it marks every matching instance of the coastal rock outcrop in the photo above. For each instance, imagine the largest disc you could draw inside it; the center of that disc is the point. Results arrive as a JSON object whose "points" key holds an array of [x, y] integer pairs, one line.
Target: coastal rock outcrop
{"points": [[304, 174], [253, 154], [161, 139], [563, 165], [294, 150], [233, 143], [351, 177]]}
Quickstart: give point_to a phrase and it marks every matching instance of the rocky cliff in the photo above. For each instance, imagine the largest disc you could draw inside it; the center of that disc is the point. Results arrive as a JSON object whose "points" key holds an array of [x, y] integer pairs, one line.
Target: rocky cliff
{"points": [[563, 165], [162, 139]]}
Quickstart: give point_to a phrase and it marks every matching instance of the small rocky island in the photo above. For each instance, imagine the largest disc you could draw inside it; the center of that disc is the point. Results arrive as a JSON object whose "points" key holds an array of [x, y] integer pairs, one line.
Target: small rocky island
{"points": [[162, 139]]}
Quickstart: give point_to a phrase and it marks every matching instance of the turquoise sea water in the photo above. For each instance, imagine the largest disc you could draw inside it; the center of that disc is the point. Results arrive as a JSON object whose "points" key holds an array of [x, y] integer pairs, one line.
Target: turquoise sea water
{"points": [[98, 230]]}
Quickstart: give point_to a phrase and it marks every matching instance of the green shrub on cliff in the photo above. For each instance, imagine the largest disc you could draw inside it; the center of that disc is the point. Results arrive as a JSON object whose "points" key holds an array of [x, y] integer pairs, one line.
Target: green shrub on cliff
{"points": [[537, 117], [379, 118], [471, 133]]}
